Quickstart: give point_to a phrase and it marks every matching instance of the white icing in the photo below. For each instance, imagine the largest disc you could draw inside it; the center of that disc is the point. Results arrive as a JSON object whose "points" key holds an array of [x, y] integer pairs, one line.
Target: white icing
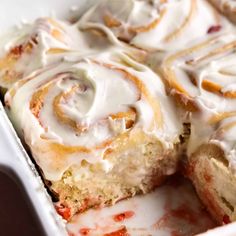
{"points": [[104, 91], [217, 68], [141, 13], [41, 36]]}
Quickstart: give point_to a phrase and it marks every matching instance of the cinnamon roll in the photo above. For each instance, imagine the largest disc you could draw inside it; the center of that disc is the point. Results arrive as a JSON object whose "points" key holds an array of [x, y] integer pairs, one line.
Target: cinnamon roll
{"points": [[163, 25], [100, 128], [202, 81], [227, 7], [103, 126], [34, 46]]}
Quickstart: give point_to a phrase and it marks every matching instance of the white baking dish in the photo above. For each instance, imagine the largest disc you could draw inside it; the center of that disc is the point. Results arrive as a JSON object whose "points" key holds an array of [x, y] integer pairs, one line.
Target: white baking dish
{"points": [[147, 210]]}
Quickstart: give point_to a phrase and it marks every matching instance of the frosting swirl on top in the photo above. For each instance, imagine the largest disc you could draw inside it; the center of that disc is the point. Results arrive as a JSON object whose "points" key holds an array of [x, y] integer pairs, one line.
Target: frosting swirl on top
{"points": [[35, 46], [80, 110], [202, 79], [164, 25], [204, 75]]}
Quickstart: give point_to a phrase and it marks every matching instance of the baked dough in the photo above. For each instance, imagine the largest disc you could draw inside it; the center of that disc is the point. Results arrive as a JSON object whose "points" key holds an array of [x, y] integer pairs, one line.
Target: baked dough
{"points": [[101, 128]]}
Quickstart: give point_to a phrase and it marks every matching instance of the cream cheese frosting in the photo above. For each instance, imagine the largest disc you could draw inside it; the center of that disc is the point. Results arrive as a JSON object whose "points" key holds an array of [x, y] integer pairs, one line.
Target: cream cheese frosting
{"points": [[86, 103], [35, 46], [205, 75], [155, 25]]}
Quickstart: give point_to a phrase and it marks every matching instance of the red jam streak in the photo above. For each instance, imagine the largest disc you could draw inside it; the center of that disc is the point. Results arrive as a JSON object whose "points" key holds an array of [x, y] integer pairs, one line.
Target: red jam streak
{"points": [[71, 234], [84, 231], [207, 177], [122, 216], [210, 200], [120, 232], [183, 212], [189, 169], [64, 212], [176, 219], [175, 233], [226, 219], [17, 51], [214, 29]]}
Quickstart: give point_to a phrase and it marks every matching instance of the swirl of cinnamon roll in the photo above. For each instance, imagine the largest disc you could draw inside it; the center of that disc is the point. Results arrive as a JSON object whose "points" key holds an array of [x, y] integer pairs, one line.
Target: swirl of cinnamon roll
{"points": [[203, 77], [202, 80], [35, 46], [154, 25], [96, 127]]}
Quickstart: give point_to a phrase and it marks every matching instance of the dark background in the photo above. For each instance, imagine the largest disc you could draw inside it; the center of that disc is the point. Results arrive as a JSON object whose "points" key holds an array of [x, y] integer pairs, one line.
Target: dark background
{"points": [[17, 217]]}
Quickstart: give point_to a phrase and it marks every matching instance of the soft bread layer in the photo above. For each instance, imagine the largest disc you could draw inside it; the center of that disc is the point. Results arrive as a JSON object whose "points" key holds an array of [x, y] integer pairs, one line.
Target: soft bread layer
{"points": [[214, 183], [227, 7], [140, 167]]}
